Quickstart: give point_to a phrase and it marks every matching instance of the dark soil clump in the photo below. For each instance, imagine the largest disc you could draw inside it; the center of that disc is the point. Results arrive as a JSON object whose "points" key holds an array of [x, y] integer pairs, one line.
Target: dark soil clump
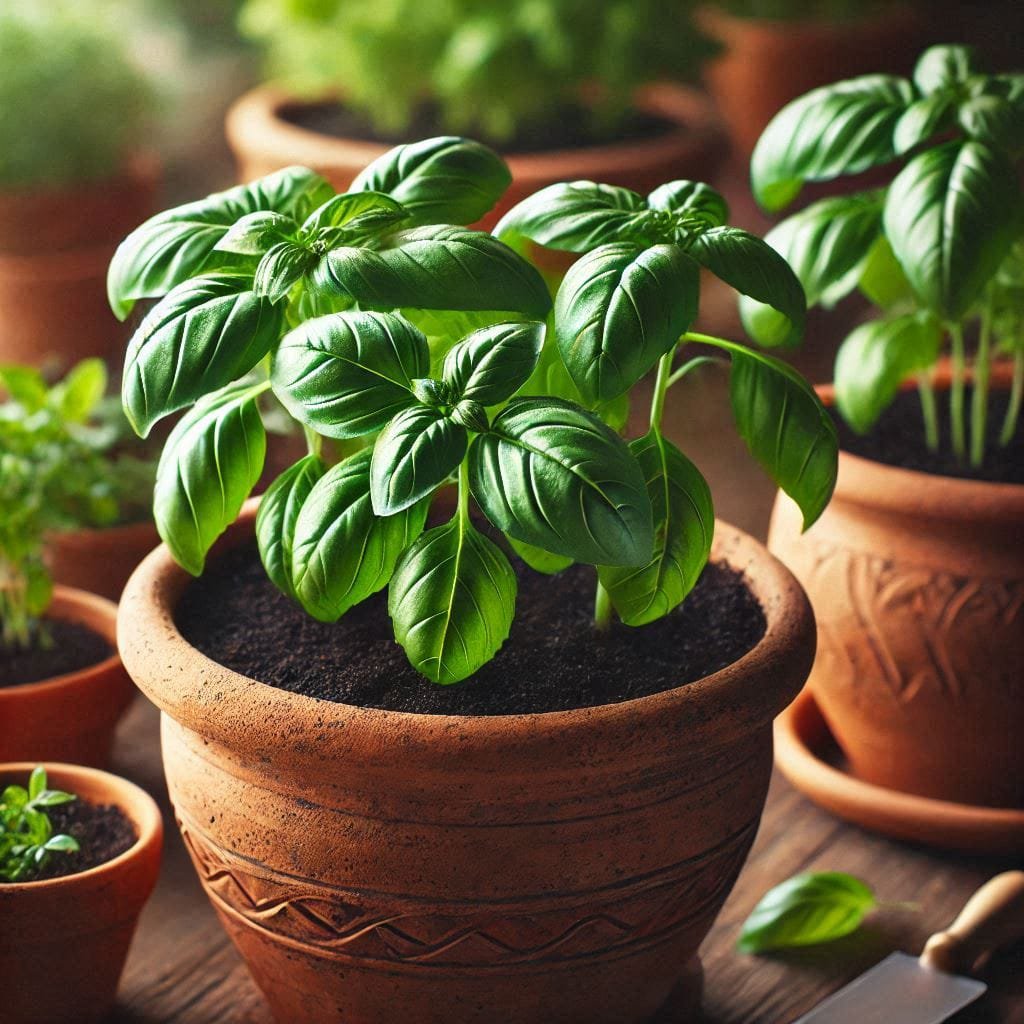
{"points": [[70, 646], [103, 832]]}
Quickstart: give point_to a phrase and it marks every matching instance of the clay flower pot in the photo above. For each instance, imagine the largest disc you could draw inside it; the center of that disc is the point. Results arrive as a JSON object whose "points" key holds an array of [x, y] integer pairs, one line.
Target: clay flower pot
{"points": [[264, 140], [562, 867], [917, 582], [65, 940], [73, 716], [55, 246], [764, 64], [100, 561]]}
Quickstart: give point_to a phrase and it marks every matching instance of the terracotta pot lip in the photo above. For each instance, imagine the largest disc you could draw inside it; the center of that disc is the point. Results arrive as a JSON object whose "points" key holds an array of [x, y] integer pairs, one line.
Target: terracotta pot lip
{"points": [[712, 15], [69, 603], [133, 800], [146, 615], [142, 167], [88, 534]]}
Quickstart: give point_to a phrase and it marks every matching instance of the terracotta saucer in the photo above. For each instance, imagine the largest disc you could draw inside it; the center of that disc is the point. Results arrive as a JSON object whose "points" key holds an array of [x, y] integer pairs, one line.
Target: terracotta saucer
{"points": [[808, 756]]}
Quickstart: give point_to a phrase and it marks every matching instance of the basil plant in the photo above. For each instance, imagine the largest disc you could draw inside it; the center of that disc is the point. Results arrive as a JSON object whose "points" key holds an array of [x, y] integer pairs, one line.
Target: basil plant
{"points": [[419, 354], [939, 251]]}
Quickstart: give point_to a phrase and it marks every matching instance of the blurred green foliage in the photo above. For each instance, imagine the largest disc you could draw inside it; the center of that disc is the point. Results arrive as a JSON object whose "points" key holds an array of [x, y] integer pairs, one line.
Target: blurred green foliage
{"points": [[804, 10], [492, 67]]}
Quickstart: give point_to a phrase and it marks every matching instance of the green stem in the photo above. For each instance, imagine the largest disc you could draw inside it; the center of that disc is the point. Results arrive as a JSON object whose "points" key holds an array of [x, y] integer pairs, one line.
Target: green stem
{"points": [[926, 390], [956, 392], [979, 398], [692, 364], [314, 442], [602, 608], [1016, 393], [463, 509], [661, 388]]}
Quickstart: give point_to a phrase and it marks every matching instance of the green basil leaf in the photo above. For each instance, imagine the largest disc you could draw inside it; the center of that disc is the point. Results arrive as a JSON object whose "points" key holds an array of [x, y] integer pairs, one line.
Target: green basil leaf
{"points": [[255, 233], [281, 267], [921, 120], [876, 358], [838, 129], [446, 180], [36, 782], [538, 559], [754, 269], [553, 475], [943, 67], [25, 385], [52, 798], [577, 216], [211, 461], [356, 211], [436, 267], [81, 390], [275, 520], [684, 523], [61, 844], [694, 199], [882, 279], [784, 425], [951, 215], [493, 363], [341, 552], [805, 910], [347, 374], [204, 334], [992, 120], [175, 245], [619, 310], [412, 456], [452, 600]]}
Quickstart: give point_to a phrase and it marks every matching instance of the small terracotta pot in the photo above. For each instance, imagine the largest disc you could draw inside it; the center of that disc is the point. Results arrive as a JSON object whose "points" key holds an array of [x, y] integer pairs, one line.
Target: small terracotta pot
{"points": [[765, 63], [562, 867], [917, 582], [65, 940], [100, 561], [55, 246], [72, 716], [263, 140]]}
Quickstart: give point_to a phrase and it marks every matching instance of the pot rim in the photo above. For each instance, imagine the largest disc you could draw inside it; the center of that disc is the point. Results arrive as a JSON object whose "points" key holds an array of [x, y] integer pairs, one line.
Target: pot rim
{"points": [[84, 535], [807, 28], [181, 680], [68, 603], [136, 804], [140, 168]]}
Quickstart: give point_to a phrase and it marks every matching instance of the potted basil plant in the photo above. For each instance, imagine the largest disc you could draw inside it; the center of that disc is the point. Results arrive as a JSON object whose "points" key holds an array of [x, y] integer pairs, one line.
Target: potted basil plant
{"points": [[916, 569], [548, 827]]}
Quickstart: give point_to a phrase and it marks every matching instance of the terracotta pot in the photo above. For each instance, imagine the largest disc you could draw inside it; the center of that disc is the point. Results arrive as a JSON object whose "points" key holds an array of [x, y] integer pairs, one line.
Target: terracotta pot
{"points": [[100, 561], [65, 940], [72, 716], [917, 581], [765, 63], [560, 867], [263, 140], [55, 245]]}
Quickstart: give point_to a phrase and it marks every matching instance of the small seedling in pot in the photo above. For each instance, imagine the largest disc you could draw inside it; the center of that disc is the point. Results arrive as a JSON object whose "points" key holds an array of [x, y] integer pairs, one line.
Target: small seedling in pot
{"points": [[26, 835]]}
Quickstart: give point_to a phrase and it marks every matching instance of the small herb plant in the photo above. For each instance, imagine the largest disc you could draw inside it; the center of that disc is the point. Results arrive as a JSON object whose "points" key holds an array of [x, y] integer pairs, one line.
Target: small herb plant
{"points": [[426, 353], [64, 464], [940, 251], [26, 835]]}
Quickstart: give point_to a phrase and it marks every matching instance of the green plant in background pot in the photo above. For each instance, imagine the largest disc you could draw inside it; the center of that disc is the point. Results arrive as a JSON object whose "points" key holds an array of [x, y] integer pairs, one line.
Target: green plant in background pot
{"points": [[27, 840], [938, 251]]}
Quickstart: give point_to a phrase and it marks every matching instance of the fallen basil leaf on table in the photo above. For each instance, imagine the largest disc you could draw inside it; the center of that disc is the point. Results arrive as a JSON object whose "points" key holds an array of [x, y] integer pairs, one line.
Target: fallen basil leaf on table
{"points": [[806, 910]]}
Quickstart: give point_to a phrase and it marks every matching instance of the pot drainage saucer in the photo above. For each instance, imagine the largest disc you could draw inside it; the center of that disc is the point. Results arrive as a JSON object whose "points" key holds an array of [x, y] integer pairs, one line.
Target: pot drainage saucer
{"points": [[808, 756]]}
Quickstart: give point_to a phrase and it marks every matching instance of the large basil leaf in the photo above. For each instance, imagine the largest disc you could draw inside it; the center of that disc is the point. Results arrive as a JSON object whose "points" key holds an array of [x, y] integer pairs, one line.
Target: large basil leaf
{"points": [[691, 199], [538, 559], [943, 67], [493, 363], [452, 600], [619, 310], [684, 523], [446, 180], [275, 521], [347, 374], [341, 552], [412, 456], [436, 267], [577, 216], [992, 120], [951, 215], [211, 461], [356, 212], [255, 233], [174, 245], [882, 279], [876, 358], [206, 333], [553, 475], [839, 129], [754, 269], [785, 426], [921, 120]]}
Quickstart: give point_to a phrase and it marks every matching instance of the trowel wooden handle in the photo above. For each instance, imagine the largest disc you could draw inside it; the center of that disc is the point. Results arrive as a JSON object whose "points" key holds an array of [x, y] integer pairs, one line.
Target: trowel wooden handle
{"points": [[992, 917]]}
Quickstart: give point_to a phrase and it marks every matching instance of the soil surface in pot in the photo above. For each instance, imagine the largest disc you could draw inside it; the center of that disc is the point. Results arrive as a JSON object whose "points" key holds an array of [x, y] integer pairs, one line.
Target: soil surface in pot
{"points": [[71, 647], [554, 659], [570, 127], [103, 832], [897, 439]]}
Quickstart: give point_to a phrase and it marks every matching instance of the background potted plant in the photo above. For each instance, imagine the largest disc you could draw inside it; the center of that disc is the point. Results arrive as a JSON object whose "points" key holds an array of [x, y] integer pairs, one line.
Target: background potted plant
{"points": [[58, 642], [486, 858], [564, 90], [916, 570], [76, 869]]}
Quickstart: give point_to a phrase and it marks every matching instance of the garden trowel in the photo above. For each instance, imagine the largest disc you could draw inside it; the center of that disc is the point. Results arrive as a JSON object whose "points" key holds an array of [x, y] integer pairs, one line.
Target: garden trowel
{"points": [[931, 988]]}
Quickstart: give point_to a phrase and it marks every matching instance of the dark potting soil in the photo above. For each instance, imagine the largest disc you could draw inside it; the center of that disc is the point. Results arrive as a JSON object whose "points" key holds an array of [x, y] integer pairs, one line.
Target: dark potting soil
{"points": [[897, 439], [103, 832], [571, 127], [554, 659], [70, 646]]}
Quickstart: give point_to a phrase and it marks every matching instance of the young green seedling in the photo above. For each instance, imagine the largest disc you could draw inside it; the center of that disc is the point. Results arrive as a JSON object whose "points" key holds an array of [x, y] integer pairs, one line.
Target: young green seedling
{"points": [[26, 835]]}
